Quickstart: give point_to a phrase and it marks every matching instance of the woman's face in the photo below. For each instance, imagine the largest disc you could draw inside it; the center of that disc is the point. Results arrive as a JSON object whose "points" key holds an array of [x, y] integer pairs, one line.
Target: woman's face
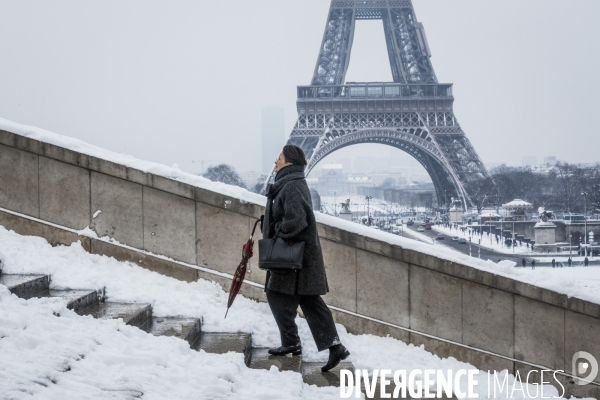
{"points": [[280, 162]]}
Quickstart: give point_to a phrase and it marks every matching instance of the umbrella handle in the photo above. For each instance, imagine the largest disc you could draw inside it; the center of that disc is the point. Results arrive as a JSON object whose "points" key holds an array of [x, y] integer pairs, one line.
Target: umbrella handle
{"points": [[255, 224]]}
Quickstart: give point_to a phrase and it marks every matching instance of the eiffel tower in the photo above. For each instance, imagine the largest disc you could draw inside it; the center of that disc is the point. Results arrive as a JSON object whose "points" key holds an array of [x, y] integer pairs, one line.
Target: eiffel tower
{"points": [[413, 113]]}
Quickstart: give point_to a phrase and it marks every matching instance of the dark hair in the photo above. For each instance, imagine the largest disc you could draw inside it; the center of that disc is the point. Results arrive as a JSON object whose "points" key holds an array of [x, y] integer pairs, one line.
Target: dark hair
{"points": [[294, 154]]}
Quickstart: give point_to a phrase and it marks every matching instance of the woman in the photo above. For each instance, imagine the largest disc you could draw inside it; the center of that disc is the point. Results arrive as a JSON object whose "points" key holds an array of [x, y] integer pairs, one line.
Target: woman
{"points": [[289, 215]]}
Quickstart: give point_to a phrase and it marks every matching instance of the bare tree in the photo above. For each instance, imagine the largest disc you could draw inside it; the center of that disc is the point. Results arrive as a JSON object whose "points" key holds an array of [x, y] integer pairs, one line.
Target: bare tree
{"points": [[567, 184], [481, 192], [224, 173]]}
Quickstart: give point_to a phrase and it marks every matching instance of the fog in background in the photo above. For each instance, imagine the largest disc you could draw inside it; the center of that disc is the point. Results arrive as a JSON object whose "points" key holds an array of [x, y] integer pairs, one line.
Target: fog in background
{"points": [[184, 81]]}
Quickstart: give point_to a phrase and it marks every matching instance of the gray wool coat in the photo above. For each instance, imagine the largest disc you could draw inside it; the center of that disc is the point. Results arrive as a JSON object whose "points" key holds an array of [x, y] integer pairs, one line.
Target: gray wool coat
{"points": [[289, 210]]}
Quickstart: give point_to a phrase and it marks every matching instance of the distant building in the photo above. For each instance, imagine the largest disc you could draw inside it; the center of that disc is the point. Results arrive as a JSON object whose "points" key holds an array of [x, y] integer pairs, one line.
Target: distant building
{"points": [[346, 164], [272, 121], [332, 179], [528, 160], [551, 160]]}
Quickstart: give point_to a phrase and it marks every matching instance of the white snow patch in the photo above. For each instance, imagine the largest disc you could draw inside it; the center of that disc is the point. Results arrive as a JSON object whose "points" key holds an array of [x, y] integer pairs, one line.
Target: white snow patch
{"points": [[98, 212]]}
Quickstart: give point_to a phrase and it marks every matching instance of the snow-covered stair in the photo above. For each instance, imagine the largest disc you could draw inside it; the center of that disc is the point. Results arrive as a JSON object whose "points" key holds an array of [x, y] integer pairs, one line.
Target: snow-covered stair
{"points": [[311, 373], [89, 302], [134, 314], [260, 358], [28, 286], [221, 343], [188, 329], [25, 285]]}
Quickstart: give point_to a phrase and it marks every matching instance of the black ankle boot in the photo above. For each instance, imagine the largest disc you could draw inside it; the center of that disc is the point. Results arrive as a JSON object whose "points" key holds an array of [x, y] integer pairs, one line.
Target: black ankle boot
{"points": [[283, 350], [337, 353]]}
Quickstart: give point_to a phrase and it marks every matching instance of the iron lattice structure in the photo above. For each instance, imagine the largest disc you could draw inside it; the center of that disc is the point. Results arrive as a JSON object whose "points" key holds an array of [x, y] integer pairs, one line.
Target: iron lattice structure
{"points": [[413, 114]]}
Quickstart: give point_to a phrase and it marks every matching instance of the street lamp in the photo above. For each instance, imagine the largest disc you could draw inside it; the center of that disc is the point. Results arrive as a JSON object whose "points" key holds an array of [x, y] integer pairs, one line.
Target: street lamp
{"points": [[470, 246], [334, 204], [368, 198], [584, 217], [513, 236], [570, 247], [502, 232], [446, 204]]}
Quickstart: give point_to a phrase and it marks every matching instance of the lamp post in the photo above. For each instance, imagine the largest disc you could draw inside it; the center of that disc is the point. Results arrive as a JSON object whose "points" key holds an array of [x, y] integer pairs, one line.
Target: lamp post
{"points": [[368, 198], [446, 205], [469, 246], [585, 218], [570, 247], [334, 204], [513, 236], [501, 232]]}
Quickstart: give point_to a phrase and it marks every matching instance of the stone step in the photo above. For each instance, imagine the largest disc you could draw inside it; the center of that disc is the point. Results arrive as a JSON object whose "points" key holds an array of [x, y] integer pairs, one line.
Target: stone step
{"points": [[77, 300], [260, 358], [221, 343], [134, 314], [312, 374], [187, 329], [25, 285]]}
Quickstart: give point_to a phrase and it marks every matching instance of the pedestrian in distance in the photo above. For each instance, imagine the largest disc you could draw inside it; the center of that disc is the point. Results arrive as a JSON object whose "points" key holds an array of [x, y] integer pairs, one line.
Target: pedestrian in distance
{"points": [[553, 263], [586, 261], [289, 215], [569, 261], [523, 262], [532, 264]]}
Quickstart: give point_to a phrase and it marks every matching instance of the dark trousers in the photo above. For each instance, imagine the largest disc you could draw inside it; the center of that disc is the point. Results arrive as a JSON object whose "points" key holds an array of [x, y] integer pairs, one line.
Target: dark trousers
{"points": [[320, 321]]}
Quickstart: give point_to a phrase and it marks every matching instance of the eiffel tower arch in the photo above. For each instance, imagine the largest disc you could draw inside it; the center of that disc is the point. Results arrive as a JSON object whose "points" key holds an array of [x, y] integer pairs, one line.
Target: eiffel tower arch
{"points": [[413, 113]]}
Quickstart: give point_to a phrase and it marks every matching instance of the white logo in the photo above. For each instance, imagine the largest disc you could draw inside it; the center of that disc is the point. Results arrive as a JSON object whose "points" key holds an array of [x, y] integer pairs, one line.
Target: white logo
{"points": [[580, 367]]}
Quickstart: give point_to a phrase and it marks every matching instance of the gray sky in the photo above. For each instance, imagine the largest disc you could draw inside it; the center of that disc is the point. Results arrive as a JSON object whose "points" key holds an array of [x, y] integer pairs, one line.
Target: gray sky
{"points": [[183, 81]]}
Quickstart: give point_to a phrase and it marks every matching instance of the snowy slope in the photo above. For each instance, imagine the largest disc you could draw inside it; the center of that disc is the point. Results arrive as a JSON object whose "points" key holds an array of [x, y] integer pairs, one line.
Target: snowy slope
{"points": [[49, 357]]}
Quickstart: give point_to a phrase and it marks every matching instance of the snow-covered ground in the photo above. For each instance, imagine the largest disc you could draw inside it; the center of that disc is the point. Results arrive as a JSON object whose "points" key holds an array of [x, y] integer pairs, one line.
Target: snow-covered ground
{"points": [[358, 205], [75, 357], [485, 240], [522, 250]]}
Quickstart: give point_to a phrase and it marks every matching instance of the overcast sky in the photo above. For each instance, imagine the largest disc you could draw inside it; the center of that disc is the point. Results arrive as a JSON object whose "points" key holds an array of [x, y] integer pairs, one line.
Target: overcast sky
{"points": [[184, 81]]}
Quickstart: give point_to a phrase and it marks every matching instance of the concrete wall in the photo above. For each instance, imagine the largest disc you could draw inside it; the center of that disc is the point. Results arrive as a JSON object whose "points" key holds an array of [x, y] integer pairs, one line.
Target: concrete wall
{"points": [[454, 310]]}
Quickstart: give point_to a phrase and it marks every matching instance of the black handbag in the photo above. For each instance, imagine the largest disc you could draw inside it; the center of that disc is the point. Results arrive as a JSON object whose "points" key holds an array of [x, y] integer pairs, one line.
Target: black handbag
{"points": [[276, 254]]}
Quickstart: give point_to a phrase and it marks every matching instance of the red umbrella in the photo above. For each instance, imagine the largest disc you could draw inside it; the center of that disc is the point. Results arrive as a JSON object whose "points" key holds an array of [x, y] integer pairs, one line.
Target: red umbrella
{"points": [[240, 272]]}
